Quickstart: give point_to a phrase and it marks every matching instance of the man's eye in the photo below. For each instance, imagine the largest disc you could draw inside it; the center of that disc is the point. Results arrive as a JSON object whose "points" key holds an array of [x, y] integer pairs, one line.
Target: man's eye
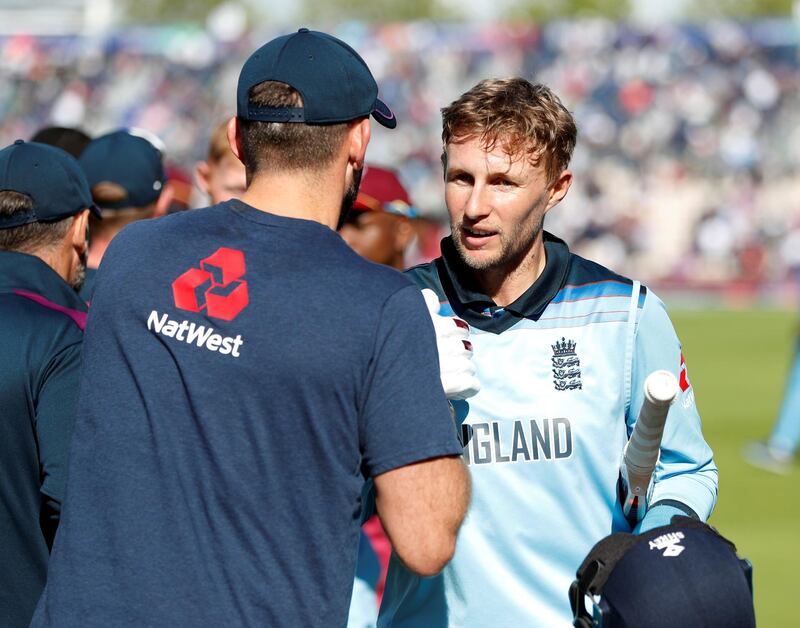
{"points": [[461, 177], [504, 183]]}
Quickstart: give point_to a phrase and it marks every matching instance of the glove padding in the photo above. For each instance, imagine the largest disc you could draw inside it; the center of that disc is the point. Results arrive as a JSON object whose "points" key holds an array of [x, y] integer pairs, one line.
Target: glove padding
{"points": [[458, 372]]}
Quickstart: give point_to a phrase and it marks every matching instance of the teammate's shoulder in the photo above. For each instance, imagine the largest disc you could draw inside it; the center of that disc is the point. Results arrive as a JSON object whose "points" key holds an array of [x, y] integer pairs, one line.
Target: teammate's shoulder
{"points": [[587, 279], [50, 323], [383, 279]]}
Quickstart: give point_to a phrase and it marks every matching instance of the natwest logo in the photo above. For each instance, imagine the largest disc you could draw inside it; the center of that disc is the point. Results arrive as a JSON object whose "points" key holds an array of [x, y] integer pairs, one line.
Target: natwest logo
{"points": [[216, 286]]}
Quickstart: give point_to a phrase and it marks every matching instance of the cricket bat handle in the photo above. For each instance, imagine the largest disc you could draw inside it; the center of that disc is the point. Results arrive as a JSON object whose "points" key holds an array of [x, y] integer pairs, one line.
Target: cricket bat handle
{"points": [[640, 456]]}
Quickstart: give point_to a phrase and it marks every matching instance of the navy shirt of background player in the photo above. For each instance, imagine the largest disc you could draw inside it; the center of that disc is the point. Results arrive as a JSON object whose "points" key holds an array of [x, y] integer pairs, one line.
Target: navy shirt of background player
{"points": [[244, 373], [41, 330]]}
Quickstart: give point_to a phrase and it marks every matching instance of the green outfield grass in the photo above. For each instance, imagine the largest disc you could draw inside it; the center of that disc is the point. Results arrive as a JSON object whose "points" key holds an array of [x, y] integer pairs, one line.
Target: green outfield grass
{"points": [[737, 363]]}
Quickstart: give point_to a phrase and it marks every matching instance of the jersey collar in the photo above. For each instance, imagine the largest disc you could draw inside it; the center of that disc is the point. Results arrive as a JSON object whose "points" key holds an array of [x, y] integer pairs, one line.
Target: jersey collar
{"points": [[481, 310], [20, 271]]}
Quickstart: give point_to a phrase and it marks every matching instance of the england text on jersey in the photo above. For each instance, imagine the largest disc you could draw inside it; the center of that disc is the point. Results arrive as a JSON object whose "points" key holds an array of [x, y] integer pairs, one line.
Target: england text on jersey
{"points": [[192, 333], [520, 441]]}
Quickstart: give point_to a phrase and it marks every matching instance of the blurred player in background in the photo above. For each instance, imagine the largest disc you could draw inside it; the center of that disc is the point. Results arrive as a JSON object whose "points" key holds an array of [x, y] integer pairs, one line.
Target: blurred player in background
{"points": [[73, 141], [777, 453], [44, 201], [378, 227], [216, 476], [562, 347], [221, 176], [128, 182]]}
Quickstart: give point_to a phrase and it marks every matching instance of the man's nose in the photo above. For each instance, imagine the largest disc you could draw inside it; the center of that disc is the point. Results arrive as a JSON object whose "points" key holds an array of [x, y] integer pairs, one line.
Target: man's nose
{"points": [[478, 204]]}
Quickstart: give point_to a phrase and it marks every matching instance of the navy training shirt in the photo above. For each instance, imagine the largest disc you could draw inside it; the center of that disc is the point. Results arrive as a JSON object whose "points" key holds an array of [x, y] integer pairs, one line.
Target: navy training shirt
{"points": [[41, 330], [244, 373]]}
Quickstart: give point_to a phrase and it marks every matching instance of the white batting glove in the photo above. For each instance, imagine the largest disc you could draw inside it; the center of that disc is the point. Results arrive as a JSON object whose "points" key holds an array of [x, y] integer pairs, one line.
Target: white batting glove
{"points": [[458, 373]]}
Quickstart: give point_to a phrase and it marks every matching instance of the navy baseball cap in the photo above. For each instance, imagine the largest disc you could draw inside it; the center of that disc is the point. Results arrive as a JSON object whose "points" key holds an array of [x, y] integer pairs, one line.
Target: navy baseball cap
{"points": [[334, 81], [682, 574], [50, 176], [128, 159]]}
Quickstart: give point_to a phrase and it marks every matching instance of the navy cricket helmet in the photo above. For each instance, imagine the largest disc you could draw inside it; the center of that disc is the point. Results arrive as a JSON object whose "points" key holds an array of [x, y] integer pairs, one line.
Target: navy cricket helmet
{"points": [[683, 574]]}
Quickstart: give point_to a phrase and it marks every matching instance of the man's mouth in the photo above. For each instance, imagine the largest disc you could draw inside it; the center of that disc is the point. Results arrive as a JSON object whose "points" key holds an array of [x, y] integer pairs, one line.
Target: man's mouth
{"points": [[477, 236]]}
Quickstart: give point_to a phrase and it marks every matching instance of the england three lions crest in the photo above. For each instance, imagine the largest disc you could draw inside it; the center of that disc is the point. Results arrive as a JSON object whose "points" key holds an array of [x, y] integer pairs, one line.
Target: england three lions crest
{"points": [[566, 366]]}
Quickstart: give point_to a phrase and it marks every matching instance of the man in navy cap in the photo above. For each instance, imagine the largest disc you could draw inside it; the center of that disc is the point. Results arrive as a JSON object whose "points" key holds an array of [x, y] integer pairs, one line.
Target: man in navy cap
{"points": [[44, 207], [255, 372], [126, 174]]}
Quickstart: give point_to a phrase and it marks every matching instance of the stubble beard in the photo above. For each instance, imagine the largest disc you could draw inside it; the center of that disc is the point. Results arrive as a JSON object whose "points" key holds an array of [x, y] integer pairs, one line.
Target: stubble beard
{"points": [[349, 198], [514, 248], [80, 272]]}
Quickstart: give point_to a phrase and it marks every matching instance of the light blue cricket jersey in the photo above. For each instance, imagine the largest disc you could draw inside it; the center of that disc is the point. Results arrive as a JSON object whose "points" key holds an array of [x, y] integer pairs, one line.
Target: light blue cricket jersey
{"points": [[562, 371]]}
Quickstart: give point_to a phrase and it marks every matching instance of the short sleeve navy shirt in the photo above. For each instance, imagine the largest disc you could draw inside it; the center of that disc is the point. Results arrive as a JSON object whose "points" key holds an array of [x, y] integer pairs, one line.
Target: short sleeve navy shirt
{"points": [[243, 374]]}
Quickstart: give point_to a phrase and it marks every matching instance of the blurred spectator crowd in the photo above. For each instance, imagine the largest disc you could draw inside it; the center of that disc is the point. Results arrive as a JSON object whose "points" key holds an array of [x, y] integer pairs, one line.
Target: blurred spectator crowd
{"points": [[687, 170]]}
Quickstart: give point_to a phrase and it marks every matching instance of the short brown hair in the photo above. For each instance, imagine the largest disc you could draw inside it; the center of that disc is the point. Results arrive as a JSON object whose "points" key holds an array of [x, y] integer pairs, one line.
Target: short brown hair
{"points": [[33, 236], [520, 116], [281, 146]]}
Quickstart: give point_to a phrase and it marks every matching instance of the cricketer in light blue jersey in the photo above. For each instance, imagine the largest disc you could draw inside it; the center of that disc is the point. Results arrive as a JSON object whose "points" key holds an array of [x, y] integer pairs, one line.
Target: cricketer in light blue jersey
{"points": [[562, 347]]}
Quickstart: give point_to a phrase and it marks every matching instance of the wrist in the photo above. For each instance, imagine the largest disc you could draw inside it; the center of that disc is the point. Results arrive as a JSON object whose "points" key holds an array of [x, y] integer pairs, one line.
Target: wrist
{"points": [[661, 513]]}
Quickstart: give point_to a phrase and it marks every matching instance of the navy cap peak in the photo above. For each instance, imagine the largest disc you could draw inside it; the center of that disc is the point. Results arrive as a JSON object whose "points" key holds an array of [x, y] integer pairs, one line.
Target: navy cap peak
{"points": [[333, 81]]}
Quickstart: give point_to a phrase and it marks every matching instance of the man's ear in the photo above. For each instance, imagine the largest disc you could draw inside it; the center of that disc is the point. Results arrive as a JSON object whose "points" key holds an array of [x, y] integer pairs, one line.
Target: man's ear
{"points": [[559, 189], [202, 175], [358, 137], [164, 200], [235, 138], [78, 230]]}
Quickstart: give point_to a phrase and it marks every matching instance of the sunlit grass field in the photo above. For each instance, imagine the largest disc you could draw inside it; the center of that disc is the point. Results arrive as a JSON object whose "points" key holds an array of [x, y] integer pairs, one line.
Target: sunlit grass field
{"points": [[737, 363]]}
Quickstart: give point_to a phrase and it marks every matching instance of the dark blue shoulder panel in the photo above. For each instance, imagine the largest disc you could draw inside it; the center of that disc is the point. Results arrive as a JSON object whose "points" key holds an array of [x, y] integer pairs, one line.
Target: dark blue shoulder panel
{"points": [[588, 279], [426, 276]]}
